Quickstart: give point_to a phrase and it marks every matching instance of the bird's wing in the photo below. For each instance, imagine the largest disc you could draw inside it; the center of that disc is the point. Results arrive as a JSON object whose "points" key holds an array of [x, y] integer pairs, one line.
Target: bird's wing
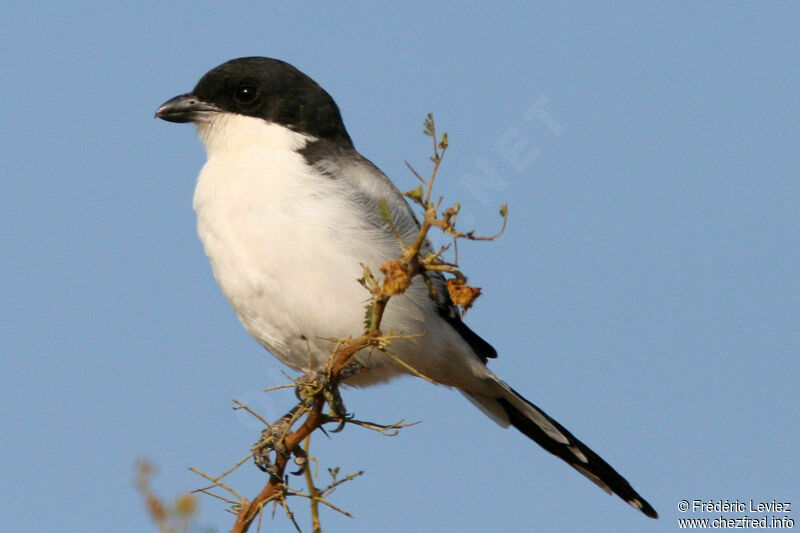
{"points": [[370, 187]]}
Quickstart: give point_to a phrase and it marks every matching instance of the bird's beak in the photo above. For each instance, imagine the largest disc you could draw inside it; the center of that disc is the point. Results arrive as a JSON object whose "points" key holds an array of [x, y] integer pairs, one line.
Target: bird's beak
{"points": [[186, 108]]}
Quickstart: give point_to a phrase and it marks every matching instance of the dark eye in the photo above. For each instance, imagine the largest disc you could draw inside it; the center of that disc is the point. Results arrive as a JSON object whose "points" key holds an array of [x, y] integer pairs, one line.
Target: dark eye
{"points": [[245, 94]]}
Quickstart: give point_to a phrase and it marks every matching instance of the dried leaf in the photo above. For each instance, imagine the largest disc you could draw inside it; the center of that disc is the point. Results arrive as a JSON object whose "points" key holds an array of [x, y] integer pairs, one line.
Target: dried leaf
{"points": [[462, 294], [443, 144], [185, 505], [396, 277]]}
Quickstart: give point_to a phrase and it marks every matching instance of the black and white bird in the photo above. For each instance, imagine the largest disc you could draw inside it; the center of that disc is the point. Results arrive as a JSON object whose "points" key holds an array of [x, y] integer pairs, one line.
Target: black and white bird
{"points": [[288, 210]]}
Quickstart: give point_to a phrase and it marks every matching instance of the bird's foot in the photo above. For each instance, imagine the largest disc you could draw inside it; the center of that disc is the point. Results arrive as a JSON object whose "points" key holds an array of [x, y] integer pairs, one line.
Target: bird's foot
{"points": [[310, 385], [272, 440]]}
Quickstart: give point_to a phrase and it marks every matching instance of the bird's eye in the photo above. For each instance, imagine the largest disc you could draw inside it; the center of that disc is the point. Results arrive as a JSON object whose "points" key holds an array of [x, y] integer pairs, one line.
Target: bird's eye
{"points": [[245, 94]]}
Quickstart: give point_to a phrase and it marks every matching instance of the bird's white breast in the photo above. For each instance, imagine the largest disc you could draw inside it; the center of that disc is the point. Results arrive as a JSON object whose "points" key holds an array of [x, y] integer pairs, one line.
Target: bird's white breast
{"points": [[274, 234]]}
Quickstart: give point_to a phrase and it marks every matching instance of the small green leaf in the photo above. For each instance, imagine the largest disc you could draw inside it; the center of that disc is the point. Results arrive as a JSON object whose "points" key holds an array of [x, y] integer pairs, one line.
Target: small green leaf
{"points": [[371, 321], [504, 210], [415, 194], [383, 207], [429, 128]]}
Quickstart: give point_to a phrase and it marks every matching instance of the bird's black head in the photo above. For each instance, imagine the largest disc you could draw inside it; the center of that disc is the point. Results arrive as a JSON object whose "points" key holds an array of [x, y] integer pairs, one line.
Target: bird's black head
{"points": [[264, 88]]}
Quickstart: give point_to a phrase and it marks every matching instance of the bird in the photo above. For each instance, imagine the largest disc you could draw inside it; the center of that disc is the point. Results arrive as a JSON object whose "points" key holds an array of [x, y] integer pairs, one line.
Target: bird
{"points": [[288, 212]]}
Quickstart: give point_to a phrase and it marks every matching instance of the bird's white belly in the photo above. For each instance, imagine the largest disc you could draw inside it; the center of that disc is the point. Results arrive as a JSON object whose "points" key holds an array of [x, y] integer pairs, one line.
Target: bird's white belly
{"points": [[279, 254]]}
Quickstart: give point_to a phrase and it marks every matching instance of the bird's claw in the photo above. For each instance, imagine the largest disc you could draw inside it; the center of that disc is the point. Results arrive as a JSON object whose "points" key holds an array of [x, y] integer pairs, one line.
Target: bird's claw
{"points": [[311, 384], [272, 439]]}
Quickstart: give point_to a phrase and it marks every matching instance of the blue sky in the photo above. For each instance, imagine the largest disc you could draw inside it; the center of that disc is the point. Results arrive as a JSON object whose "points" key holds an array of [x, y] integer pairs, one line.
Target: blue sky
{"points": [[645, 294]]}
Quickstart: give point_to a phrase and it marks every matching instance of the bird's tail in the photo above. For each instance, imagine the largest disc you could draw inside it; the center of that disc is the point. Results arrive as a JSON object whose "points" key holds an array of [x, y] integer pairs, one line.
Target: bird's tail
{"points": [[511, 408]]}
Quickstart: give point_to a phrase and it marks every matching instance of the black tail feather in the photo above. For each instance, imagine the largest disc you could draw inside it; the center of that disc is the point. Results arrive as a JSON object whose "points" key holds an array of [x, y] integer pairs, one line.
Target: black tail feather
{"points": [[577, 454]]}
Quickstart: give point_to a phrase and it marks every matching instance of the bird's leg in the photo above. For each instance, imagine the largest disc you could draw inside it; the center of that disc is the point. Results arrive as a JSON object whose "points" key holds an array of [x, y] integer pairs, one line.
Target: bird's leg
{"points": [[313, 383], [338, 411], [310, 385], [351, 369], [307, 387]]}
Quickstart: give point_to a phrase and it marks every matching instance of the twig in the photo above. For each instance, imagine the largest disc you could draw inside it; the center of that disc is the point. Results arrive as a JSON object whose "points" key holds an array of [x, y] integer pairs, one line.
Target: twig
{"points": [[290, 514], [313, 492], [279, 387], [389, 430], [420, 178], [330, 488], [218, 483], [240, 405], [408, 367], [207, 492], [323, 502]]}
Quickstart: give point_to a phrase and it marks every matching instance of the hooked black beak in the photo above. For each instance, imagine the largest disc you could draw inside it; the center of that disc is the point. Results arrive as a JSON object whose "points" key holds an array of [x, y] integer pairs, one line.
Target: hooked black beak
{"points": [[186, 108]]}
